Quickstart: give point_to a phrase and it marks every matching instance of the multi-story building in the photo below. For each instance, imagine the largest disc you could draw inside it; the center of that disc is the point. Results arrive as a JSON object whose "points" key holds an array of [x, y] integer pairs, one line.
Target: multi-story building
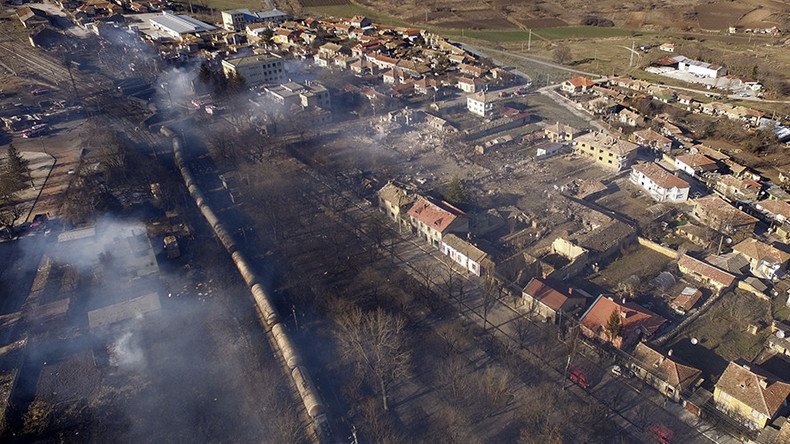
{"points": [[559, 133], [621, 324], [237, 19], [432, 220], [394, 200], [695, 164], [481, 104], [308, 94], [659, 183], [255, 70], [606, 149]]}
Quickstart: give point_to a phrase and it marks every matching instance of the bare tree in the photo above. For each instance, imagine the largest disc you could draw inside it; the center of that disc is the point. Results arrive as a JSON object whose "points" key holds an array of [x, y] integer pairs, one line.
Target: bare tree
{"points": [[562, 54], [490, 294], [9, 214], [374, 342]]}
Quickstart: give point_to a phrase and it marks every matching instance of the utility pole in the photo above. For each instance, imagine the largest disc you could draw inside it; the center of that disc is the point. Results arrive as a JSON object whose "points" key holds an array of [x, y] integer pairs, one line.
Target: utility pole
{"points": [[529, 41]]}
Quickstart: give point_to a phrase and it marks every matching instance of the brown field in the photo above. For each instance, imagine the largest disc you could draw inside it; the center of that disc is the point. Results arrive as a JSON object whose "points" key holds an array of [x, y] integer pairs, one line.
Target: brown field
{"points": [[314, 3], [716, 16], [639, 14]]}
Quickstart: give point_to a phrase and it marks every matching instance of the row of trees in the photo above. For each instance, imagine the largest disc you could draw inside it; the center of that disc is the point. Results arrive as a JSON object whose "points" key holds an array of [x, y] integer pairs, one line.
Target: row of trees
{"points": [[14, 177], [219, 84]]}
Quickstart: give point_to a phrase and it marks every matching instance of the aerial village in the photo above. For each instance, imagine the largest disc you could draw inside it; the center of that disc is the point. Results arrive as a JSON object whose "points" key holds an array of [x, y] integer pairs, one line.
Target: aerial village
{"points": [[592, 206]]}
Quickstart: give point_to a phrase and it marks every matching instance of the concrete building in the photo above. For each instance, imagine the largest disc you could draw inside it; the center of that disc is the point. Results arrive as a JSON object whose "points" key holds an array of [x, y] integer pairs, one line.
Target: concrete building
{"points": [[606, 149], [307, 94], [481, 104], [659, 183], [560, 133], [255, 70], [468, 256], [179, 25], [577, 85], [237, 19], [750, 394], [543, 299], [648, 138]]}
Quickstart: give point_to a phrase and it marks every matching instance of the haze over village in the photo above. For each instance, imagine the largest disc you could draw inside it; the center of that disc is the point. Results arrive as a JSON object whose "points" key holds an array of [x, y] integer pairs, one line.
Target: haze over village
{"points": [[367, 221]]}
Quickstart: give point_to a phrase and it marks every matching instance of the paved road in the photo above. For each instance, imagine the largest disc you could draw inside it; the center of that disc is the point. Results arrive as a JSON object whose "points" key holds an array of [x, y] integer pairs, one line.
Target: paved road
{"points": [[482, 51]]}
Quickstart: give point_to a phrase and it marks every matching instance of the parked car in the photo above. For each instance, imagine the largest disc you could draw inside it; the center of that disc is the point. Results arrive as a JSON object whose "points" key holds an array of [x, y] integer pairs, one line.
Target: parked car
{"points": [[662, 433], [577, 376], [621, 371]]}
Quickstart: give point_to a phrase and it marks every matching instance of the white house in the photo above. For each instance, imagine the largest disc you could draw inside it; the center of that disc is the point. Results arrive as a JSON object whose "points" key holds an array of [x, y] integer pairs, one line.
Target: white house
{"points": [[659, 183], [480, 104], [695, 164], [466, 255]]}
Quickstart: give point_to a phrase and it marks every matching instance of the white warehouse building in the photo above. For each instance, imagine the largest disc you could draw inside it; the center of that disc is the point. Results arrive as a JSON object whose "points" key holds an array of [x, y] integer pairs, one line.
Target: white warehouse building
{"points": [[178, 25], [701, 69]]}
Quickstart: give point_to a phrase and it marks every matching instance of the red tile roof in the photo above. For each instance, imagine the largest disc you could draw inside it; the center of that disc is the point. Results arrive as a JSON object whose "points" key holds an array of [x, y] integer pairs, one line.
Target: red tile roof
{"points": [[581, 81], [433, 215], [541, 291], [633, 316], [697, 160]]}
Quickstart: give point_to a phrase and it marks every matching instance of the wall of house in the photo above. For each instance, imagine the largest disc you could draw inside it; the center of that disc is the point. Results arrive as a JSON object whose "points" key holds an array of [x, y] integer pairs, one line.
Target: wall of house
{"points": [[736, 408]]}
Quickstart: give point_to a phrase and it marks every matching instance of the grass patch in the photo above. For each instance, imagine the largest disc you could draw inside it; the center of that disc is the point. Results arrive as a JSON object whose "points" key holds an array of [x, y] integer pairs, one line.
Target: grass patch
{"points": [[722, 334], [638, 261]]}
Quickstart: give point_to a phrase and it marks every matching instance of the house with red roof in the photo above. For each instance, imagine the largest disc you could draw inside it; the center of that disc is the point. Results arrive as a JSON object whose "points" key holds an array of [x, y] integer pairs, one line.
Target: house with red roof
{"points": [[621, 324], [544, 299], [577, 85], [431, 220]]}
